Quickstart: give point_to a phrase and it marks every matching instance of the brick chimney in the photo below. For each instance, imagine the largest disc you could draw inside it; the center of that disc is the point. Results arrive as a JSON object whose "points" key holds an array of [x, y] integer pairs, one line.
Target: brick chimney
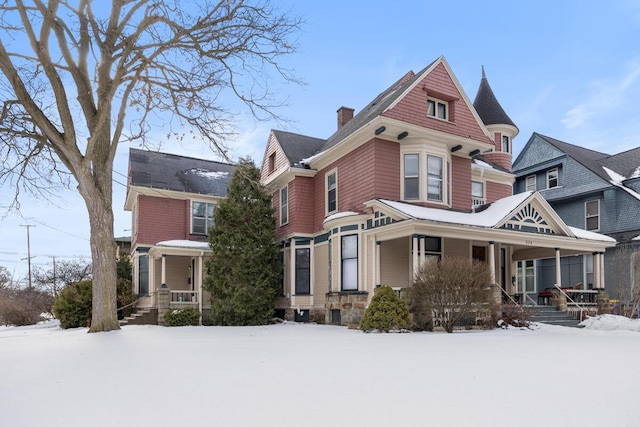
{"points": [[344, 115]]}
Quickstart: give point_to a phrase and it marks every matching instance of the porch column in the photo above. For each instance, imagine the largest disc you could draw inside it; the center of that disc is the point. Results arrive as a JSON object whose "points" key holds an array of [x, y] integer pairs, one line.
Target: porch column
{"points": [[292, 270], [415, 254], [199, 274], [558, 273], [492, 262], [602, 270], [596, 270], [163, 274], [377, 262], [422, 255]]}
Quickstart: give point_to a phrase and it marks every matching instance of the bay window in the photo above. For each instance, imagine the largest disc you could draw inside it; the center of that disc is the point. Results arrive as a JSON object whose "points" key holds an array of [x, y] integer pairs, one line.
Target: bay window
{"points": [[425, 175], [434, 178]]}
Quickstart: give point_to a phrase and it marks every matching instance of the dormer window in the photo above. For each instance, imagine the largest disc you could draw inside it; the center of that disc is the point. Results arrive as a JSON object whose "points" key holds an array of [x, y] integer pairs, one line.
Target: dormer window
{"points": [[552, 178], [438, 109]]}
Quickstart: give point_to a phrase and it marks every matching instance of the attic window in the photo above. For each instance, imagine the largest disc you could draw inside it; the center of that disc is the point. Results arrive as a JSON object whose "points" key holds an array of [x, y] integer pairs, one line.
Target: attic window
{"points": [[437, 108], [552, 178], [272, 163]]}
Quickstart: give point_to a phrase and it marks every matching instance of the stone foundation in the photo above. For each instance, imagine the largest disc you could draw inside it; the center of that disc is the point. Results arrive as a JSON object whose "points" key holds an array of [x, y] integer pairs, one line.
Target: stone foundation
{"points": [[345, 308]]}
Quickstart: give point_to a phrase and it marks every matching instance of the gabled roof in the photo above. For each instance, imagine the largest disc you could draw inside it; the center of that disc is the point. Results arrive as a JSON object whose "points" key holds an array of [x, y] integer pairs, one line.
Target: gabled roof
{"points": [[521, 211], [488, 107], [375, 107], [297, 147], [626, 163], [164, 171], [588, 158]]}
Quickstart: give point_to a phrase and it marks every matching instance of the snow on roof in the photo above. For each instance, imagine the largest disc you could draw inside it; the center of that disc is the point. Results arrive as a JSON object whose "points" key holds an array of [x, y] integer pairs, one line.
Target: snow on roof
{"points": [[616, 179], [184, 244], [480, 164], [486, 218], [209, 174], [636, 238], [590, 235], [636, 173], [339, 215]]}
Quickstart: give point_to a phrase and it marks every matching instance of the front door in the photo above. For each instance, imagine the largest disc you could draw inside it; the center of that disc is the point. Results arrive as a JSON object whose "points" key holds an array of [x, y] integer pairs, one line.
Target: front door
{"points": [[527, 280]]}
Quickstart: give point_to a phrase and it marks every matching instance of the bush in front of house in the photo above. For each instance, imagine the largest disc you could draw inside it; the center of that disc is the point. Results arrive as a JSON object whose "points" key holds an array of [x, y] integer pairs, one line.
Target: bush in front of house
{"points": [[451, 291], [73, 305], [386, 312], [182, 317]]}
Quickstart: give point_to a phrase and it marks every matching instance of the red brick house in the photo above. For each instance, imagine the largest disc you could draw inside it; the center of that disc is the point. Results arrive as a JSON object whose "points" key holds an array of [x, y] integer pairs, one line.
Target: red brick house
{"points": [[172, 199], [420, 172]]}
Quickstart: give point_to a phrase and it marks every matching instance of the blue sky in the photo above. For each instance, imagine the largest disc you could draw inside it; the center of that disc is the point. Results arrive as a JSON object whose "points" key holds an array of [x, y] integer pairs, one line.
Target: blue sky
{"points": [[566, 69]]}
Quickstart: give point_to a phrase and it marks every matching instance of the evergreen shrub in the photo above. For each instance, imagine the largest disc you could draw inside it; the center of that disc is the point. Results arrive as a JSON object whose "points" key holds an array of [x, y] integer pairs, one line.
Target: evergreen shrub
{"points": [[73, 305], [182, 317], [386, 312]]}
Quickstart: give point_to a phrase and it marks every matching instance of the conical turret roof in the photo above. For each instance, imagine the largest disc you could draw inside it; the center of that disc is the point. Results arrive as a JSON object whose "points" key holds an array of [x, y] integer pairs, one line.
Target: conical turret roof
{"points": [[488, 107]]}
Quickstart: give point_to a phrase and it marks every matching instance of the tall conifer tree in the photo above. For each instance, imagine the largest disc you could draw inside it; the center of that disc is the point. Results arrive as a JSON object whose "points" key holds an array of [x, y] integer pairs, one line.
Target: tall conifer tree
{"points": [[243, 272]]}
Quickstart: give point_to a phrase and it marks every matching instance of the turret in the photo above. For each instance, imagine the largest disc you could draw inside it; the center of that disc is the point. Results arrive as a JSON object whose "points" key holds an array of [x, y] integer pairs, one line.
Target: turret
{"points": [[497, 122]]}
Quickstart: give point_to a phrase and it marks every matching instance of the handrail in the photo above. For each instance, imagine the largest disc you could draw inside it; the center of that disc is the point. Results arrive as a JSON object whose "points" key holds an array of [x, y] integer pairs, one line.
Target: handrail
{"points": [[571, 299], [135, 302], [508, 296]]}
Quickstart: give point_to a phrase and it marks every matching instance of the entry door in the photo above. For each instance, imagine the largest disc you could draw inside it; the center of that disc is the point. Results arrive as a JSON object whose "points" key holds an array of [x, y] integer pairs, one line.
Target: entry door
{"points": [[527, 277]]}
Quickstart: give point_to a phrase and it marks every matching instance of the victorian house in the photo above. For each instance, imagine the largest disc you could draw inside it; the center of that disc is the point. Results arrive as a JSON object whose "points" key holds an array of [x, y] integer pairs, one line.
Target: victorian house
{"points": [[419, 173]]}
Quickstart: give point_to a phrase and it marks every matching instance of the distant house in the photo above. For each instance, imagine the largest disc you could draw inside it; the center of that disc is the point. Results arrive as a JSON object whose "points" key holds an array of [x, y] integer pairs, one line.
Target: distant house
{"points": [[172, 199], [590, 190], [419, 173]]}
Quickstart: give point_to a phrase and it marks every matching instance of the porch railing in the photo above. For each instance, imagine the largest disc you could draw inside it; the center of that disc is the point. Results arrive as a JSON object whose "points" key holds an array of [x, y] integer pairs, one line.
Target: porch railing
{"points": [[184, 297]]}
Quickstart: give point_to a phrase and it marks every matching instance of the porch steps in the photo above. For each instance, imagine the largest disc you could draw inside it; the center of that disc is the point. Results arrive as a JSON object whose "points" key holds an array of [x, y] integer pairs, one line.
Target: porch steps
{"points": [[552, 316], [142, 316]]}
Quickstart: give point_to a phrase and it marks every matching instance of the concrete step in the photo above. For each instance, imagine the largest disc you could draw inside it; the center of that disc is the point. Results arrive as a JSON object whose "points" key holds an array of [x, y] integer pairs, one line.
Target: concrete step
{"points": [[143, 316], [552, 316]]}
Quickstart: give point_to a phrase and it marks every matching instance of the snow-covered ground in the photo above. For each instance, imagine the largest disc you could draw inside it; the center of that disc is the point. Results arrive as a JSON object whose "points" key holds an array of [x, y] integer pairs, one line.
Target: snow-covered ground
{"points": [[312, 375]]}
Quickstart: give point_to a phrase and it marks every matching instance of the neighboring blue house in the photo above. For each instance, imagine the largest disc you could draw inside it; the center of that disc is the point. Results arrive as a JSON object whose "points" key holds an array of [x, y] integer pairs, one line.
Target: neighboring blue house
{"points": [[593, 191]]}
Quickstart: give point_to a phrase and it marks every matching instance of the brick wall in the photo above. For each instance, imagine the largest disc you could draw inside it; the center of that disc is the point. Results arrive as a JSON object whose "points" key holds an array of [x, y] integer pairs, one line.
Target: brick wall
{"points": [[161, 219]]}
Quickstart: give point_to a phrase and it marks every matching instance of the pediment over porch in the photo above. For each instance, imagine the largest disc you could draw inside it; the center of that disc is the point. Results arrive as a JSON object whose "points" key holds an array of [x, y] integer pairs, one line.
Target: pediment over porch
{"points": [[524, 218]]}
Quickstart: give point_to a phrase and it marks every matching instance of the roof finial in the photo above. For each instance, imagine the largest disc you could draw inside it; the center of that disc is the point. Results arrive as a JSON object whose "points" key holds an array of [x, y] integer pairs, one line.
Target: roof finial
{"points": [[483, 76]]}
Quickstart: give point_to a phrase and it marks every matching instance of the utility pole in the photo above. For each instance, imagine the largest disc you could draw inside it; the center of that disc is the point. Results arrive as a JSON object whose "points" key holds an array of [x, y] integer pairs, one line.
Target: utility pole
{"points": [[28, 250]]}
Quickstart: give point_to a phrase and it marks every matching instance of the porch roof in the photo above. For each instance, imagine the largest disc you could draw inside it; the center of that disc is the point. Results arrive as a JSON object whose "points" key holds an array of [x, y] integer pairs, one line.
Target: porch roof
{"points": [[496, 215]]}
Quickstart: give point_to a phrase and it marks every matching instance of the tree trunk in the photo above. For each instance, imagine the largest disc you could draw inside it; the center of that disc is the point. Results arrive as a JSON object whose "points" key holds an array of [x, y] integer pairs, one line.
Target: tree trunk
{"points": [[103, 256], [95, 187]]}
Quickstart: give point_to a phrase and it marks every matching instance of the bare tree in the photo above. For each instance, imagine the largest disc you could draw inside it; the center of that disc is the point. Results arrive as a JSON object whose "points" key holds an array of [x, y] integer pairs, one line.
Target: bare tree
{"points": [[450, 289], [79, 77], [61, 274]]}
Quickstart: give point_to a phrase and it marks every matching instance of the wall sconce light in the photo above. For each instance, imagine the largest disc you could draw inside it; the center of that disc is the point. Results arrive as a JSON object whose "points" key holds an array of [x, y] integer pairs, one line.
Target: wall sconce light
{"points": [[403, 135], [474, 153], [456, 148], [380, 130]]}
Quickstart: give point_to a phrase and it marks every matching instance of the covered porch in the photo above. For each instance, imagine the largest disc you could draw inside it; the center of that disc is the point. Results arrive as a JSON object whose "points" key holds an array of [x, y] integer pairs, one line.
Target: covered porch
{"points": [[507, 235], [175, 277]]}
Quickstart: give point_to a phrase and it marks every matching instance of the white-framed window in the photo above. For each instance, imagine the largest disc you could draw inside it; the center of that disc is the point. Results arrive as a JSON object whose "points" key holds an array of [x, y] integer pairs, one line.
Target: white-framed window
{"points": [[531, 183], [477, 193], [411, 176], [425, 175], [435, 178], [552, 178], [527, 276], [592, 215], [201, 217], [588, 270], [506, 142], [331, 185], [438, 109], [349, 262], [284, 205]]}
